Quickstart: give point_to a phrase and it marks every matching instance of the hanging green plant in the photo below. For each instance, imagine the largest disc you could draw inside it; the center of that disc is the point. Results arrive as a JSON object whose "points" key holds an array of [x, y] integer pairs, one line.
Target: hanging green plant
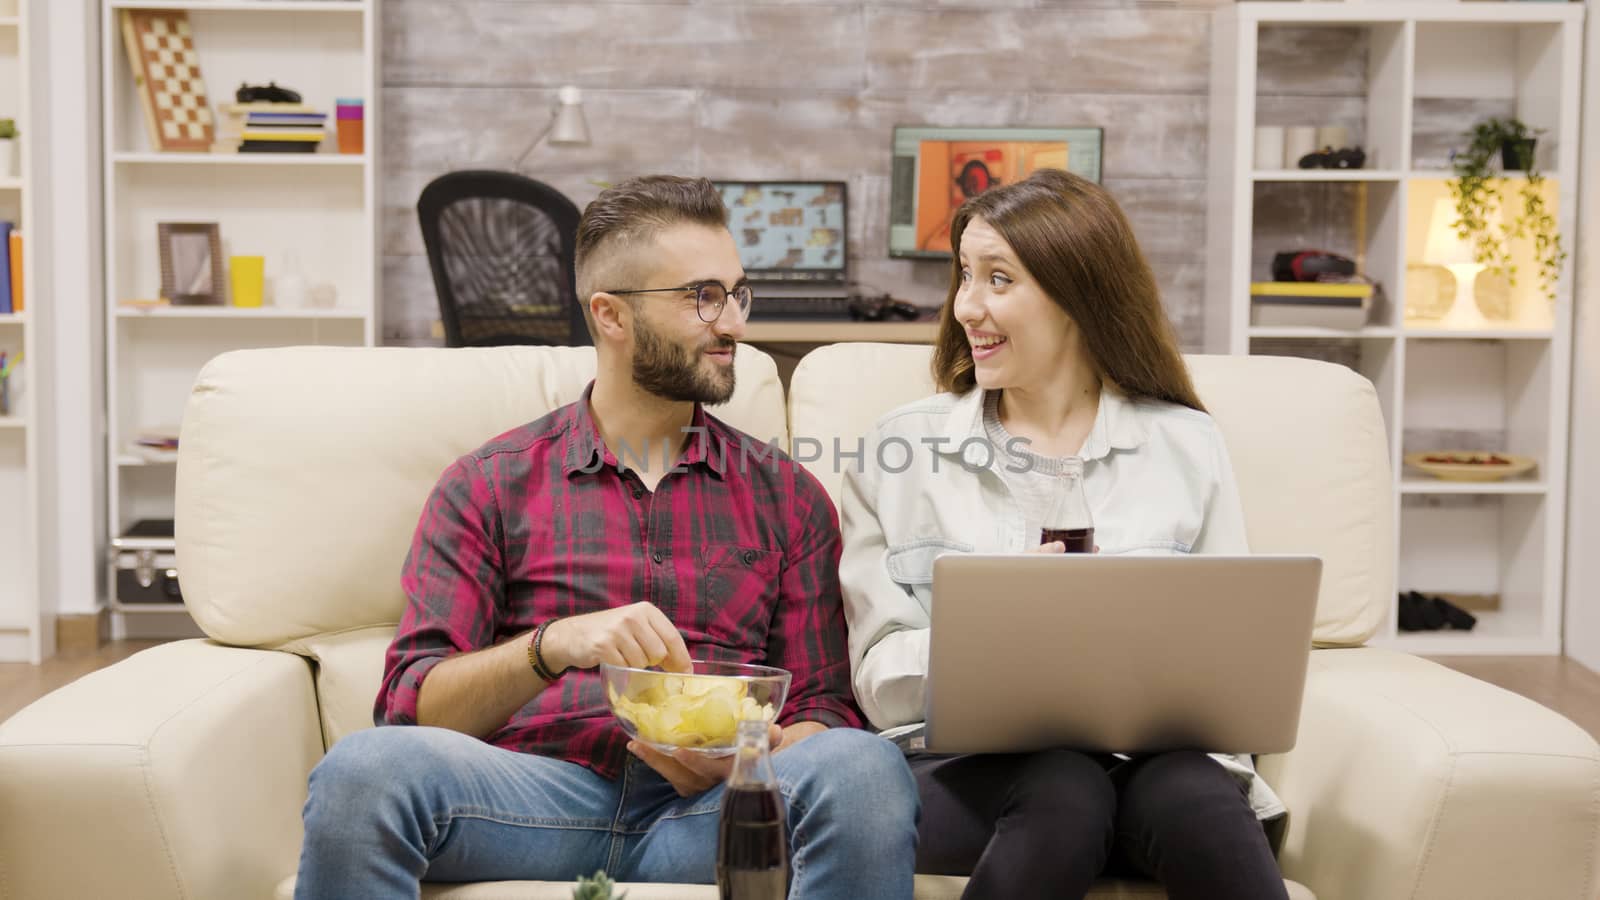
{"points": [[1479, 197]]}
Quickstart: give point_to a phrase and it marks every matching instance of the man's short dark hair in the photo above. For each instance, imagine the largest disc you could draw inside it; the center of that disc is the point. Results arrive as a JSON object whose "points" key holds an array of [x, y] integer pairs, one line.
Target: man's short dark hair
{"points": [[632, 212]]}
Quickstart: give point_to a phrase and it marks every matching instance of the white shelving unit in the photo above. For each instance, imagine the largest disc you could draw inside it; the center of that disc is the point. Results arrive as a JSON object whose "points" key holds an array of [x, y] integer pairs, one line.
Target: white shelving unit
{"points": [[315, 212], [1504, 385], [241, 159], [22, 632]]}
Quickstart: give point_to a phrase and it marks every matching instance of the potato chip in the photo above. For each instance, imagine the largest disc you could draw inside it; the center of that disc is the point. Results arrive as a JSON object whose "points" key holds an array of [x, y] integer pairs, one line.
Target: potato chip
{"points": [[690, 712]]}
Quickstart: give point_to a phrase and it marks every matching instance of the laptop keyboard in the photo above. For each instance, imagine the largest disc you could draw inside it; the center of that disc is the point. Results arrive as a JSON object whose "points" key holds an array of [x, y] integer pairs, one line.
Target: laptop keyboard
{"points": [[780, 308]]}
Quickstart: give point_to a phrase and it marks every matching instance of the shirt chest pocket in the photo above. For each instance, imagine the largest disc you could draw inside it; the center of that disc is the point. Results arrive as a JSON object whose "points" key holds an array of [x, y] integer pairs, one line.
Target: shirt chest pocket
{"points": [[738, 596], [912, 563]]}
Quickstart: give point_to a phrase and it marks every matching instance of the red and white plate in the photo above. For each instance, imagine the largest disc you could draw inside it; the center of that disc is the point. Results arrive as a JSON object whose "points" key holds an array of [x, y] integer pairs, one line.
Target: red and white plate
{"points": [[1470, 465]]}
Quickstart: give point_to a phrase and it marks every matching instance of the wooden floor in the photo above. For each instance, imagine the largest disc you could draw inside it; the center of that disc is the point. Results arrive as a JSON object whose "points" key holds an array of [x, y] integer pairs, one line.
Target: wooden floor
{"points": [[1556, 682]]}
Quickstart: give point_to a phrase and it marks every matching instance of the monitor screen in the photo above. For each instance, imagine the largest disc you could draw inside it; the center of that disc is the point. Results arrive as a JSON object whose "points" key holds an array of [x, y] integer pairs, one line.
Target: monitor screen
{"points": [[935, 170], [788, 230]]}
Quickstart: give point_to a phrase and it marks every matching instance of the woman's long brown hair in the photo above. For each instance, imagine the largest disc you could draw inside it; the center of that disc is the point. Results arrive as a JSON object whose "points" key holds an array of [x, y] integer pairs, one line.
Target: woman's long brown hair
{"points": [[1075, 242]]}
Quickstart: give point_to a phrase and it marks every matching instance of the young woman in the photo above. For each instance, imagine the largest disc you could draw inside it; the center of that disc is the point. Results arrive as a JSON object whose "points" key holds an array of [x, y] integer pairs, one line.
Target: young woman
{"points": [[1053, 352]]}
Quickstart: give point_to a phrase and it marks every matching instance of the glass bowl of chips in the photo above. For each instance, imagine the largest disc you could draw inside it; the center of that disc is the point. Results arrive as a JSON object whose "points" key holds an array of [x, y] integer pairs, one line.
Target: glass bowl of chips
{"points": [[699, 711]]}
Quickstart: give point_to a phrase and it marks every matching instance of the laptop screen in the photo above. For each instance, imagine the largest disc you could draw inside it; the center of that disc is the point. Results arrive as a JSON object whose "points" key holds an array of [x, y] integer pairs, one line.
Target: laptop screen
{"points": [[788, 231]]}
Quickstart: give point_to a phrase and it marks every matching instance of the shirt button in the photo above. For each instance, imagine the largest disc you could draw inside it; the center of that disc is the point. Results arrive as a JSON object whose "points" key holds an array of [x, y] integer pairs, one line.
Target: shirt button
{"points": [[657, 556], [749, 557], [637, 493]]}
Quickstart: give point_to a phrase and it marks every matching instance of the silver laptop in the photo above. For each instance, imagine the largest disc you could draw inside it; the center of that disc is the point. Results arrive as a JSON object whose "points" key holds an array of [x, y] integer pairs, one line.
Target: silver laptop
{"points": [[1118, 654]]}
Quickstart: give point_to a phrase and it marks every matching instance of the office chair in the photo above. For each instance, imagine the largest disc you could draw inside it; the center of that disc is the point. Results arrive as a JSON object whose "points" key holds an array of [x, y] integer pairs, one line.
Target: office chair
{"points": [[501, 246]]}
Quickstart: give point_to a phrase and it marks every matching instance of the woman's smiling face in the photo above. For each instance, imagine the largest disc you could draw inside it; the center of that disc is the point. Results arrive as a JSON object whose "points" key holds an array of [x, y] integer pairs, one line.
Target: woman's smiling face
{"points": [[1019, 336]]}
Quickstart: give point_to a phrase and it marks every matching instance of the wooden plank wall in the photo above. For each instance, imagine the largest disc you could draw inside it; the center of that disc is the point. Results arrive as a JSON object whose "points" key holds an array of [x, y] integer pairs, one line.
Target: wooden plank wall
{"points": [[811, 89]]}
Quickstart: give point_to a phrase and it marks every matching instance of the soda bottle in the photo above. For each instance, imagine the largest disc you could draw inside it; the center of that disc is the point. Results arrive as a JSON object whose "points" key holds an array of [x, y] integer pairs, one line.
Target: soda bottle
{"points": [[1068, 518], [752, 841]]}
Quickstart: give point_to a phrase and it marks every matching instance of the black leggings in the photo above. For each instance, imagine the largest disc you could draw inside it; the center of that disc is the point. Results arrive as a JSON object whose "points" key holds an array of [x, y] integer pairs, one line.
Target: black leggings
{"points": [[1047, 824]]}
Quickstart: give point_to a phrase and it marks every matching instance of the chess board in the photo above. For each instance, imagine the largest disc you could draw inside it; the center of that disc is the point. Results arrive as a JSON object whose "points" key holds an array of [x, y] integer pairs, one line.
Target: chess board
{"points": [[166, 74]]}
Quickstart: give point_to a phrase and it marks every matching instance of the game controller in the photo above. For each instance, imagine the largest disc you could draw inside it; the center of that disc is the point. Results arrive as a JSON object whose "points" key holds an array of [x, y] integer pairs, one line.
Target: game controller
{"points": [[1329, 158], [882, 307], [1311, 265], [268, 93]]}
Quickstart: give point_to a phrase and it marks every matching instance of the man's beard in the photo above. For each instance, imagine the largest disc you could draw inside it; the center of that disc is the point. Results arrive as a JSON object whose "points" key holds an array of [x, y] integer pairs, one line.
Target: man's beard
{"points": [[673, 373]]}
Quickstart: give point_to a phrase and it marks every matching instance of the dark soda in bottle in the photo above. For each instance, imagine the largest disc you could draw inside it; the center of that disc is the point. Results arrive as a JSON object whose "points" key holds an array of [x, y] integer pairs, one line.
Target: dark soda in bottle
{"points": [[752, 840], [1068, 519], [1076, 540]]}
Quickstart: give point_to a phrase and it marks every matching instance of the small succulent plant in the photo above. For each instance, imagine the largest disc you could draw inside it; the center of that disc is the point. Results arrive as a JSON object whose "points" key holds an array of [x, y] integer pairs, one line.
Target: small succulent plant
{"points": [[597, 887]]}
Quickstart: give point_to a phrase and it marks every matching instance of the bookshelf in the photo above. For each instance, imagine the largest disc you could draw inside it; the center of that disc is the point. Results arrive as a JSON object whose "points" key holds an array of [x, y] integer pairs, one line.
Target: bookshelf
{"points": [[240, 159], [22, 629], [1425, 72], [315, 213]]}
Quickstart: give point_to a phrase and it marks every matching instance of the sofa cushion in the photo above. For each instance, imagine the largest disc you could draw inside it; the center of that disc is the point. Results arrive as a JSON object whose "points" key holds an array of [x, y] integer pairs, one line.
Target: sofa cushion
{"points": [[302, 471], [1306, 440], [348, 667]]}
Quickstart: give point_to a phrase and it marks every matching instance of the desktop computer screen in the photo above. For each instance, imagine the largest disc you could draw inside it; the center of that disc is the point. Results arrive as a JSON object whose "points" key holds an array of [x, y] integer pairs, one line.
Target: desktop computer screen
{"points": [[788, 231]]}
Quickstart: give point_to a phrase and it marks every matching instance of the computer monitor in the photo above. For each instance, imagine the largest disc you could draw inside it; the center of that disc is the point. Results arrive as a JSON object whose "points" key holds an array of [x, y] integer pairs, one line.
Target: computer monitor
{"points": [[788, 231], [935, 170]]}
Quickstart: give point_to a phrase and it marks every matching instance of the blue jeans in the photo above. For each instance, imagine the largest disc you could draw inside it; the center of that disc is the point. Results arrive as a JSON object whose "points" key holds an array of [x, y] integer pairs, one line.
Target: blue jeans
{"points": [[395, 805]]}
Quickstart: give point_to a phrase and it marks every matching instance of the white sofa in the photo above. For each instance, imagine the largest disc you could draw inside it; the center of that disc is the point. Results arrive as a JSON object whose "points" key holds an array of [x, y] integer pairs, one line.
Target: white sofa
{"points": [[181, 771]]}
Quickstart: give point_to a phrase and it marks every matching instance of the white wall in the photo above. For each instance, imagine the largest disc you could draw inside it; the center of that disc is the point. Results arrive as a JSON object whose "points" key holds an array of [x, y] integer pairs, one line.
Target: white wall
{"points": [[73, 468], [1582, 638]]}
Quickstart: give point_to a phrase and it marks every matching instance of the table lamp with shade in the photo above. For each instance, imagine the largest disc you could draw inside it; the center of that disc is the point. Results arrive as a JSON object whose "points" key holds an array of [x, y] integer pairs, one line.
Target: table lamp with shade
{"points": [[1446, 247]]}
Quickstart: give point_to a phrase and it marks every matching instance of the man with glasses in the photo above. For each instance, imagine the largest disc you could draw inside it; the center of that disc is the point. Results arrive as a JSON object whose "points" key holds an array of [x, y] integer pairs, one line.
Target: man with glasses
{"points": [[558, 546]]}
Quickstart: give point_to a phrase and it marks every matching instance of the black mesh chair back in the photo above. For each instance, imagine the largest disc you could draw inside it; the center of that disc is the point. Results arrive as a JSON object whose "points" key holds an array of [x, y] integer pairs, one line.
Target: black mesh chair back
{"points": [[501, 249]]}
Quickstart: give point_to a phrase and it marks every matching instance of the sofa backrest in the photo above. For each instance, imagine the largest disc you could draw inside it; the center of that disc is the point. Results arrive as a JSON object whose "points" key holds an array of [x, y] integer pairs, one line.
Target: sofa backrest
{"points": [[302, 471], [1306, 439]]}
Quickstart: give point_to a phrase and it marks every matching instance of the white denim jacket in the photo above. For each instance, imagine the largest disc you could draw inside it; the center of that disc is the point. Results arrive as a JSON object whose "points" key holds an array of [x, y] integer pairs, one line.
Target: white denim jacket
{"points": [[1157, 478]]}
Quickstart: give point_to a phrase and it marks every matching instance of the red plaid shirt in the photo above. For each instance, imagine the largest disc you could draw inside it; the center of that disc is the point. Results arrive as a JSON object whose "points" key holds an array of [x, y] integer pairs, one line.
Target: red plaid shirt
{"points": [[741, 553]]}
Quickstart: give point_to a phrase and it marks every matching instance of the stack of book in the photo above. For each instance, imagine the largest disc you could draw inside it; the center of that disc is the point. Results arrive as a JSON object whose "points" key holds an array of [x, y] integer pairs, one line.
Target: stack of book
{"points": [[156, 445], [11, 299], [271, 128], [1316, 304]]}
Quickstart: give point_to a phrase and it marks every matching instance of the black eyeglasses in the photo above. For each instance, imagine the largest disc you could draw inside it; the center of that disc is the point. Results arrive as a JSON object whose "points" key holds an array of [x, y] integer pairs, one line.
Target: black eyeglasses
{"points": [[709, 297]]}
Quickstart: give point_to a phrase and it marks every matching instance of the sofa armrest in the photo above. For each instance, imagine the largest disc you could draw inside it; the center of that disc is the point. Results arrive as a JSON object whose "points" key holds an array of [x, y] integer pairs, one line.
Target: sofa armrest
{"points": [[1412, 780], [178, 772]]}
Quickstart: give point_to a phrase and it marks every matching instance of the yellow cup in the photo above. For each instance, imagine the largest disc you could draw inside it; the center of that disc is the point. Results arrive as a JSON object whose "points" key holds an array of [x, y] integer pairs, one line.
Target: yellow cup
{"points": [[247, 274]]}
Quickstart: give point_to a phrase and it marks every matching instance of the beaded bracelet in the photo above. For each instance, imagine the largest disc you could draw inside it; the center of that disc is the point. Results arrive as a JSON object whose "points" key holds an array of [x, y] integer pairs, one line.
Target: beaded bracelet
{"points": [[536, 655]]}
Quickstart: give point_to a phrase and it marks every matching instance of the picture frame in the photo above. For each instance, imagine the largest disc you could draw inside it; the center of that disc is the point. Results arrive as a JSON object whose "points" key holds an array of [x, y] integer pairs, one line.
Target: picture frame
{"points": [[191, 263], [934, 169]]}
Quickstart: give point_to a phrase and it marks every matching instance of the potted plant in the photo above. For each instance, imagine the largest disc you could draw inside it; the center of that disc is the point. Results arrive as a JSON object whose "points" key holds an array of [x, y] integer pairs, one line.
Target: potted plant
{"points": [[598, 887], [1478, 194], [8, 147]]}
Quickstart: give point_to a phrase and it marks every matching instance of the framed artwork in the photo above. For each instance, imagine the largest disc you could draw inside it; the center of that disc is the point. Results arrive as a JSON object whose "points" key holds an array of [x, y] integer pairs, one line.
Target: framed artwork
{"points": [[191, 263], [166, 76], [935, 170]]}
